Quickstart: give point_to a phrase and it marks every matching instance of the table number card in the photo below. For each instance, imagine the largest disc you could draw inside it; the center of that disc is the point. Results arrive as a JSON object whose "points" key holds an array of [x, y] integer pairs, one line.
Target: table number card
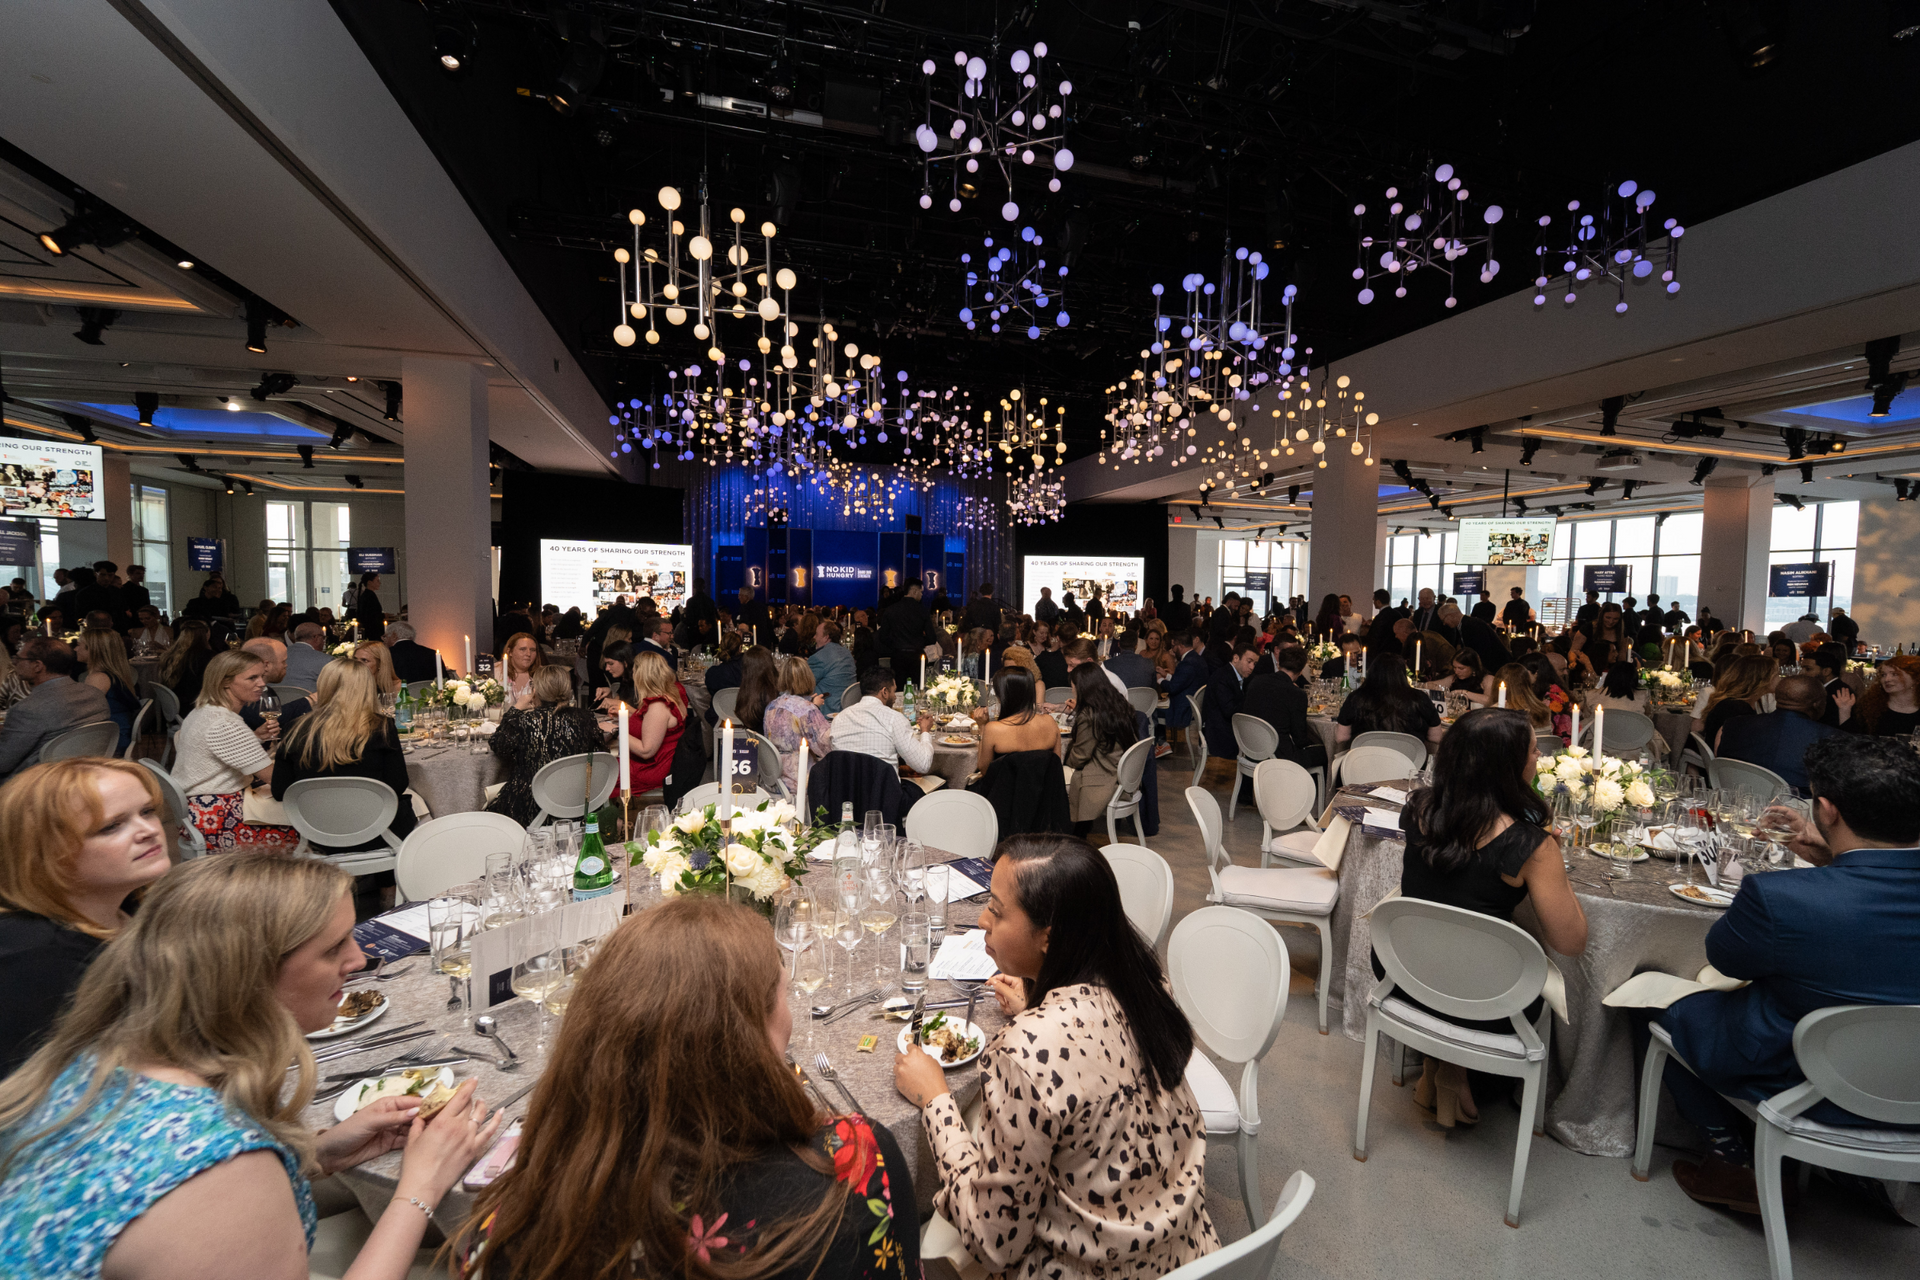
{"points": [[495, 951]]}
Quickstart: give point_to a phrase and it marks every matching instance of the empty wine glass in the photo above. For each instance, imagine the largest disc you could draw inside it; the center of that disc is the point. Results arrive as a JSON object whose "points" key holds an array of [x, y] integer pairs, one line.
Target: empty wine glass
{"points": [[810, 974], [793, 921], [912, 864], [848, 931]]}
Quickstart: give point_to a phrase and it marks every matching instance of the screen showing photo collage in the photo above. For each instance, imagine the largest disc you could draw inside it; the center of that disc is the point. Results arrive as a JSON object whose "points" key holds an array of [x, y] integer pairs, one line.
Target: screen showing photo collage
{"points": [[46, 491], [667, 587]]}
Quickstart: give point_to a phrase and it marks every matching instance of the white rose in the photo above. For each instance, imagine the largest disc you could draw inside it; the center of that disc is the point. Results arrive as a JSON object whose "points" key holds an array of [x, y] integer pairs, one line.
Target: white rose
{"points": [[1640, 795], [670, 872], [742, 861], [1607, 795], [1576, 790], [780, 811], [691, 821], [766, 880], [953, 698], [459, 689], [748, 821], [1578, 753], [476, 702]]}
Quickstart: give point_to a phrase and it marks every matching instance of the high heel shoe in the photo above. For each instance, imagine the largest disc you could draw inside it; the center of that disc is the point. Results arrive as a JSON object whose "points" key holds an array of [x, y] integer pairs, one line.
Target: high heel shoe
{"points": [[1450, 1081], [1423, 1089]]}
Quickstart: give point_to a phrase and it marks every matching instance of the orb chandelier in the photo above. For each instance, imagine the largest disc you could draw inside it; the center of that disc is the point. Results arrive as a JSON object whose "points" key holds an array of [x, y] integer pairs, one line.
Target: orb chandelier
{"points": [[1432, 231], [1015, 284], [1611, 247], [995, 117], [1036, 499]]}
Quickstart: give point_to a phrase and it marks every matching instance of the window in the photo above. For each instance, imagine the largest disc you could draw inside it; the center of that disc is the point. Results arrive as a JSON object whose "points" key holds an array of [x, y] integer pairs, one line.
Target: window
{"points": [[1822, 533], [307, 552], [1270, 572], [152, 546], [1662, 554], [1421, 560]]}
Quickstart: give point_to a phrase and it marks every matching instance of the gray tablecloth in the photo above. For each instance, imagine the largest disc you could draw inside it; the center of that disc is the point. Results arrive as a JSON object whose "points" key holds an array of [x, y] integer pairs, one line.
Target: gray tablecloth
{"points": [[1632, 926], [955, 764], [1323, 725], [421, 995], [1673, 728], [452, 779]]}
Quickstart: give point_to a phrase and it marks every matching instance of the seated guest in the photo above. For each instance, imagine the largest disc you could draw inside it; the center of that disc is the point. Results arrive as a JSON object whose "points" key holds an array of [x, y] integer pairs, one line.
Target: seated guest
{"points": [[375, 656], [1035, 1190], [306, 655], [1290, 661], [149, 634], [1470, 679], [759, 685], [56, 704], [183, 668], [693, 985], [1621, 690], [1778, 739], [1155, 649], [1385, 704], [412, 661], [616, 662], [520, 657], [1550, 687], [346, 735], [1737, 693], [660, 708], [167, 1080], [1890, 707], [1081, 653], [1476, 839], [1018, 655], [656, 636], [274, 655], [218, 756], [1336, 669], [976, 655], [793, 721], [1047, 655], [1827, 662], [1225, 689], [831, 664], [86, 836], [1277, 698], [546, 728], [1518, 680], [1133, 670], [872, 727], [1434, 653], [1840, 933], [103, 654], [1104, 725], [724, 674]]}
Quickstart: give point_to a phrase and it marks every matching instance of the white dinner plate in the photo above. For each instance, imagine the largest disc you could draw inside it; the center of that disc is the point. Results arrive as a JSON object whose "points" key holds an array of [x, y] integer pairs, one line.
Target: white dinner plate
{"points": [[970, 1029], [343, 1106], [342, 1026], [957, 740], [1712, 897], [1639, 854]]}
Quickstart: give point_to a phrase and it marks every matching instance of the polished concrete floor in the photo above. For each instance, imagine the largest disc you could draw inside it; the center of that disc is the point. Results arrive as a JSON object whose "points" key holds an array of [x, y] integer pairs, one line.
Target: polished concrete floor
{"points": [[1429, 1202]]}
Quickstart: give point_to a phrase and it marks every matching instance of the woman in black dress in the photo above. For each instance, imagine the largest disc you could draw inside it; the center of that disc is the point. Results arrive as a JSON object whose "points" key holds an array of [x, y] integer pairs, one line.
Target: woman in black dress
{"points": [[552, 729], [1476, 839], [1386, 704]]}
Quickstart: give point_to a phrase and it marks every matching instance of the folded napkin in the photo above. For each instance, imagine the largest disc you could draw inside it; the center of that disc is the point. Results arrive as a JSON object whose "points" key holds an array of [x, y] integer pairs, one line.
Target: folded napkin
{"points": [[1656, 990]]}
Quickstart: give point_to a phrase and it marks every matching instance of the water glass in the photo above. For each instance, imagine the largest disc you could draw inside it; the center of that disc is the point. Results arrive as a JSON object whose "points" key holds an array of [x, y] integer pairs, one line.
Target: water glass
{"points": [[447, 933], [793, 921], [847, 932], [916, 952], [912, 875], [937, 876]]}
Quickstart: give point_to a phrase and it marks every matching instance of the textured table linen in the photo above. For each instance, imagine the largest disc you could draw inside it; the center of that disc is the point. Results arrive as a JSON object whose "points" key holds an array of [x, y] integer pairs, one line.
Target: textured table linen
{"points": [[451, 779]]}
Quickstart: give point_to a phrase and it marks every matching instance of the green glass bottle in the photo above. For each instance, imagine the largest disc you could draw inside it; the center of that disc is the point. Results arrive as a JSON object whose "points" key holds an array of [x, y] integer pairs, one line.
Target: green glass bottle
{"points": [[403, 711], [592, 873]]}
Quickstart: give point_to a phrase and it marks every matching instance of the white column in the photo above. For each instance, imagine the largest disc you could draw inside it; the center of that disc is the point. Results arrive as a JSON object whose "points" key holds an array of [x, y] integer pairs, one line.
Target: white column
{"points": [[1348, 546], [117, 476], [1735, 536], [449, 519], [1183, 560]]}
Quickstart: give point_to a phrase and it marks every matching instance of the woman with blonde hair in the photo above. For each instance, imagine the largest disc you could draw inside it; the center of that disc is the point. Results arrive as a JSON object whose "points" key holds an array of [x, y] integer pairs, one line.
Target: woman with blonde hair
{"points": [[346, 735], [793, 720], [166, 1082], [660, 705], [1747, 680], [105, 655], [84, 838], [742, 1178], [374, 655], [533, 736], [217, 756], [1519, 680], [519, 657]]}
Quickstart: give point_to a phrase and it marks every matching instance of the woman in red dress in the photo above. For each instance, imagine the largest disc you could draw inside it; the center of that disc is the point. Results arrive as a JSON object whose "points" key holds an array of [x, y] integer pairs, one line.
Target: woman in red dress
{"points": [[660, 714]]}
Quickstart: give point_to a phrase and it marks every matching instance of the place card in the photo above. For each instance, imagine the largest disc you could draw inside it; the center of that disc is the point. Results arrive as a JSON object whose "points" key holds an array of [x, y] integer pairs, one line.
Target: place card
{"points": [[395, 935], [963, 956], [494, 952], [967, 878]]}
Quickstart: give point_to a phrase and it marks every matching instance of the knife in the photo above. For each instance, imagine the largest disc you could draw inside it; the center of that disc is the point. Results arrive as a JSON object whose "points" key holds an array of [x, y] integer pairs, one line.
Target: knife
{"points": [[807, 1080], [328, 1046], [338, 1054], [918, 1020], [392, 1068], [859, 1002], [516, 1095]]}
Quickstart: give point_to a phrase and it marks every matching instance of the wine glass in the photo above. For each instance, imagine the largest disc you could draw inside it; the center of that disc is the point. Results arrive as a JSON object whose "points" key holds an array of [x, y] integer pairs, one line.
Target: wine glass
{"points": [[810, 974], [541, 969], [269, 706], [793, 921], [849, 930], [573, 962], [879, 915], [1584, 819], [912, 864]]}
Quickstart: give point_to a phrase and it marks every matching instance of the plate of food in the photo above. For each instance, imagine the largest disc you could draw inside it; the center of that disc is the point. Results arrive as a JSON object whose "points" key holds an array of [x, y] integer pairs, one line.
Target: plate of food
{"points": [[433, 1084], [1612, 850], [956, 740], [949, 1041], [356, 1011], [1702, 895]]}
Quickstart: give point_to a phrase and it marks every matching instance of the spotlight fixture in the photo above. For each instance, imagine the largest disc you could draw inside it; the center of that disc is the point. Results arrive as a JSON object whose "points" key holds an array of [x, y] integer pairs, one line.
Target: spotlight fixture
{"points": [[453, 40], [1222, 523], [1796, 438], [1593, 485], [258, 313], [1883, 395], [1519, 506], [94, 322], [148, 403], [185, 264], [229, 480], [100, 227], [1627, 487], [188, 461], [306, 456], [1767, 468], [1610, 413], [1401, 469], [274, 384], [247, 486], [393, 400], [82, 424], [1903, 490], [586, 59], [1293, 495], [1195, 510], [1477, 436], [1554, 511], [341, 434], [355, 481], [1527, 450], [1751, 29], [1433, 501], [1806, 473], [1793, 500], [1447, 512], [232, 405], [1703, 469]]}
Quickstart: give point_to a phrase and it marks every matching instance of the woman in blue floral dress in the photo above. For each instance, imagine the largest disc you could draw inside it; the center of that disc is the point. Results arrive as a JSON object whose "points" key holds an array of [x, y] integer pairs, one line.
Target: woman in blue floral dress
{"points": [[669, 1137], [156, 1133]]}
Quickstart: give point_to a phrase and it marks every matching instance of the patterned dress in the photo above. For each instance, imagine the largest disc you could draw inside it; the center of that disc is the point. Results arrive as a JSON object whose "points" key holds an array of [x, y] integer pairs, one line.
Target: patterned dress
{"points": [[791, 723], [67, 1198], [1082, 1166], [527, 741]]}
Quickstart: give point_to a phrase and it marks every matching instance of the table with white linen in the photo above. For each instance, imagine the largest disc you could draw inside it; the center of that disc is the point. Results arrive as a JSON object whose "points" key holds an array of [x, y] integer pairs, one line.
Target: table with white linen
{"points": [[420, 994], [1632, 926], [451, 778]]}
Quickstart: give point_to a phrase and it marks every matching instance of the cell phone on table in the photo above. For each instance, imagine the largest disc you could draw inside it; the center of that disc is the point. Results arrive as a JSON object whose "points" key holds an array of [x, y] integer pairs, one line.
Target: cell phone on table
{"points": [[498, 1160]]}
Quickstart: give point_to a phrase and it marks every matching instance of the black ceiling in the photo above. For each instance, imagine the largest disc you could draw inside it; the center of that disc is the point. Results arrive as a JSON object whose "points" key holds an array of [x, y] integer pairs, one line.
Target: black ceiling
{"points": [[1256, 122]]}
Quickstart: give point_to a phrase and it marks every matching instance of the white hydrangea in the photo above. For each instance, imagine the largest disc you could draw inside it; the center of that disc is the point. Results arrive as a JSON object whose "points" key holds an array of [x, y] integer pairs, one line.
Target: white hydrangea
{"points": [[766, 880], [1569, 769], [671, 869], [748, 821], [1607, 795], [476, 702], [460, 690], [1576, 790]]}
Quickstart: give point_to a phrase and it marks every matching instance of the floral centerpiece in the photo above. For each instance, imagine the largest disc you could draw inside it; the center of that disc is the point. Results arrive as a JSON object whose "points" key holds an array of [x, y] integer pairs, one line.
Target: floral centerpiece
{"points": [[758, 850], [1606, 784], [344, 649], [952, 692], [1666, 688], [456, 695], [1864, 668], [1319, 653]]}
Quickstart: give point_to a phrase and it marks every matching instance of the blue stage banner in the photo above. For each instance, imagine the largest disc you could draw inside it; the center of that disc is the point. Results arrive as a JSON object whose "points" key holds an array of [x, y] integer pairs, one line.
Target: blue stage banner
{"points": [[846, 569]]}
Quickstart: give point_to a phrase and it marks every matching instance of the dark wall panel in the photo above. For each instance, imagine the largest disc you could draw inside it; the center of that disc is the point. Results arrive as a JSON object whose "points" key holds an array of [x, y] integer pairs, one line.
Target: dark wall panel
{"points": [[538, 504]]}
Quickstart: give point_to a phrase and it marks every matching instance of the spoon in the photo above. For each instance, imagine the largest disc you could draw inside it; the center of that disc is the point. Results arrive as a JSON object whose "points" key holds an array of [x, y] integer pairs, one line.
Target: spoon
{"points": [[486, 1026], [822, 1010]]}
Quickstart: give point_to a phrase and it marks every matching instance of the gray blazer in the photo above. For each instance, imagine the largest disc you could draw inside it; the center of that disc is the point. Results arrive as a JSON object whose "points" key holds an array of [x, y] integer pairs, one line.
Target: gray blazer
{"points": [[304, 664], [54, 707]]}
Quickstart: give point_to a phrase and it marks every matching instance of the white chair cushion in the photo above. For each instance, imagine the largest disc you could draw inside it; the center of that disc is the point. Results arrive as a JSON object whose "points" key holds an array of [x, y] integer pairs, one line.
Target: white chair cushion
{"points": [[1309, 891], [1507, 1046], [1296, 844], [1888, 1141], [1219, 1109]]}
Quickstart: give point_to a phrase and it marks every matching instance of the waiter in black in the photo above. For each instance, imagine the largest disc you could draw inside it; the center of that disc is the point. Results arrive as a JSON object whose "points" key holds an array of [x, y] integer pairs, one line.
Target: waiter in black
{"points": [[366, 608]]}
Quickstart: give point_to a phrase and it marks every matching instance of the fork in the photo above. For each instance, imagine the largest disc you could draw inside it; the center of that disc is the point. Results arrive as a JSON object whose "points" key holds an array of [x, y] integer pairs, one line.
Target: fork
{"points": [[827, 1073], [398, 1064], [380, 975]]}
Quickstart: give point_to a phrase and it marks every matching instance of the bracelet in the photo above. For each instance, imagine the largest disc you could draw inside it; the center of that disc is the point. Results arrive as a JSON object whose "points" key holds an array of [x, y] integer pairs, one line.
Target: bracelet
{"points": [[422, 1206]]}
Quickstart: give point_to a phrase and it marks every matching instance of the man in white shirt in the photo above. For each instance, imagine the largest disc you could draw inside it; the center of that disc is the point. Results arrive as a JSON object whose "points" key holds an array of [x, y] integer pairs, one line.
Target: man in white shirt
{"points": [[872, 727], [1801, 629]]}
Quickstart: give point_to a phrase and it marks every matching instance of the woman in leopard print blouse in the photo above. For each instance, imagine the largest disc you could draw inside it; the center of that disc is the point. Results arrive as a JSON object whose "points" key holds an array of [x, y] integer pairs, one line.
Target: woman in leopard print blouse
{"points": [[1091, 1154]]}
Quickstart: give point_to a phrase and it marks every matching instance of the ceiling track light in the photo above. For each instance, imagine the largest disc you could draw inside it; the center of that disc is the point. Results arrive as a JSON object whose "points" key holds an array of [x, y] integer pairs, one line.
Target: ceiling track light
{"points": [[306, 456], [1478, 437], [355, 481], [148, 404], [1593, 485], [229, 483], [94, 322], [1520, 506], [1703, 469], [246, 486], [188, 461], [274, 384], [393, 401], [454, 37], [98, 226], [1528, 449], [82, 424], [1627, 487], [341, 434], [1793, 500], [1610, 414], [1796, 438], [1806, 473], [258, 314], [1903, 490], [586, 60]]}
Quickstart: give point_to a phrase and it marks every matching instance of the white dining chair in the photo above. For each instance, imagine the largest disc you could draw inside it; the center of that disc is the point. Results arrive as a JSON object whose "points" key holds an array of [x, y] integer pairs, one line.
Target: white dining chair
{"points": [[1256, 740], [1252, 1256], [1146, 889], [1861, 1058], [1405, 743], [958, 822], [1370, 764], [1197, 736], [1287, 895], [1057, 695], [1145, 699], [769, 774], [1628, 733], [1748, 779], [342, 812], [1130, 777], [725, 703], [709, 793], [100, 738], [140, 719], [1465, 965], [1227, 970], [1286, 796], [417, 687], [850, 695], [560, 786], [166, 716], [192, 843], [452, 850], [289, 692]]}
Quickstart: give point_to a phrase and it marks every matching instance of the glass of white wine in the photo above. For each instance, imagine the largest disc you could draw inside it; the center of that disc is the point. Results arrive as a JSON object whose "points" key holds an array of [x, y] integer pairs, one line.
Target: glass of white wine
{"points": [[876, 920], [810, 974], [541, 970]]}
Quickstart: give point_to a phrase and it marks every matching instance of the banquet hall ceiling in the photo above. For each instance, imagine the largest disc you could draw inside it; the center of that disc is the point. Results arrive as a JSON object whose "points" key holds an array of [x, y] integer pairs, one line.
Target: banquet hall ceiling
{"points": [[1196, 125]]}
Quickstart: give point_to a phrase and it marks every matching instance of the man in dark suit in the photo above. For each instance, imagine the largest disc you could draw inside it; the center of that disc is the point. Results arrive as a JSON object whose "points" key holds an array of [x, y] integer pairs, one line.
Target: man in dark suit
{"points": [[905, 631], [1225, 689], [1778, 739], [1380, 638], [56, 704], [1044, 609], [1135, 672], [1845, 932], [1477, 636], [134, 596], [1337, 668], [754, 613], [656, 636], [1425, 612], [1277, 698], [412, 661], [1224, 622], [1176, 612], [982, 610], [1518, 615], [1189, 677]]}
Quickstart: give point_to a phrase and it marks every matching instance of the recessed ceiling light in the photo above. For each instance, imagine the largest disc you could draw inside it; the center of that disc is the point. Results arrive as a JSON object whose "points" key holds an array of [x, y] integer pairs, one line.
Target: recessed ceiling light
{"points": [[185, 264], [233, 406]]}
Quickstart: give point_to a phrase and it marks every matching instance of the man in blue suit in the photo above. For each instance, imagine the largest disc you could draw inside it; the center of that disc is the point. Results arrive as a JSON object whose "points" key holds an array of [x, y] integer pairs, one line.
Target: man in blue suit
{"points": [[1225, 691], [1778, 739], [1189, 676], [1846, 931]]}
